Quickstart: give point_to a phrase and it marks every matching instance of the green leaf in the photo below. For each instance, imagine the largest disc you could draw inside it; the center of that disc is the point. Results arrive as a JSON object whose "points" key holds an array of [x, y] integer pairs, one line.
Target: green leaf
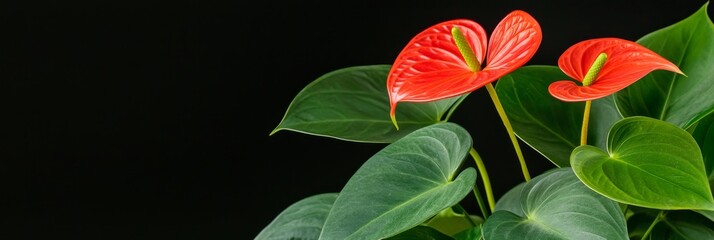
{"points": [[352, 104], [681, 100], [675, 225], [550, 126], [704, 135], [403, 185], [473, 233], [511, 200], [603, 114], [450, 222], [421, 233], [707, 214], [301, 220], [556, 205], [648, 163]]}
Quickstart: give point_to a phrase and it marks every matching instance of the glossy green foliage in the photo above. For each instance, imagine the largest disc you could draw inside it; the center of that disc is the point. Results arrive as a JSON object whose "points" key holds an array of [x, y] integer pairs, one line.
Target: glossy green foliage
{"points": [[301, 220], [706, 213], [552, 127], [352, 104], [474, 233], [681, 100], [555, 205], [683, 224], [421, 233], [403, 185], [704, 134], [648, 163], [450, 222]]}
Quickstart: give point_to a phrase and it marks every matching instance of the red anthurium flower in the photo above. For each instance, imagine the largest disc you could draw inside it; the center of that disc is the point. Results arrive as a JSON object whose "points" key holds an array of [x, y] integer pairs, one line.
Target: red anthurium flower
{"points": [[605, 66], [447, 59]]}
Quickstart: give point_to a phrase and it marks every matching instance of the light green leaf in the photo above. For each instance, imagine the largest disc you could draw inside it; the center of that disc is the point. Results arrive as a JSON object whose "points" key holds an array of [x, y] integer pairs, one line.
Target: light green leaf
{"points": [[511, 200], [301, 220], [550, 126], [450, 222], [403, 185], [352, 104], [681, 100], [556, 205], [648, 163]]}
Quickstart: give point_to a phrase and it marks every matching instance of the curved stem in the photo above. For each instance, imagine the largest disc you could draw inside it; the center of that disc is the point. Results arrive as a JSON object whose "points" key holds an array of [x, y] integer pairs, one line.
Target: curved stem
{"points": [[586, 120], [659, 218], [509, 128], [484, 177]]}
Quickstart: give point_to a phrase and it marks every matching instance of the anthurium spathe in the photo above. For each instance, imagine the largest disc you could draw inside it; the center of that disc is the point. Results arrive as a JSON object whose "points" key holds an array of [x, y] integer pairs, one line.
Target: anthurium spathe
{"points": [[605, 66], [447, 59]]}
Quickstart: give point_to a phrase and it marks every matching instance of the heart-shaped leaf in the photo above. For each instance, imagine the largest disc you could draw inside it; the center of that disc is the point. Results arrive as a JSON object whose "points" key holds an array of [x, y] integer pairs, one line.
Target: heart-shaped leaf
{"points": [[352, 104], [301, 220], [511, 200], [403, 185], [648, 163], [552, 127], [667, 96], [704, 134], [556, 205]]}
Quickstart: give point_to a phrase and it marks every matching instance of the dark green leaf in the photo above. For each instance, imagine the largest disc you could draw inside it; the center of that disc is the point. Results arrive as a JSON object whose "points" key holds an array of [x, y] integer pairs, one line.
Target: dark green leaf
{"points": [[648, 163], [556, 205], [675, 225], [421, 233], [552, 127], [473, 233], [704, 134], [681, 100], [403, 185], [301, 220], [707, 214], [352, 104]]}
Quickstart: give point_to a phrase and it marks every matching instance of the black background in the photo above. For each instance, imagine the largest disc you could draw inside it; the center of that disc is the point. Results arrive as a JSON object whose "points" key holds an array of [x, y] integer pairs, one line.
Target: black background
{"points": [[150, 120]]}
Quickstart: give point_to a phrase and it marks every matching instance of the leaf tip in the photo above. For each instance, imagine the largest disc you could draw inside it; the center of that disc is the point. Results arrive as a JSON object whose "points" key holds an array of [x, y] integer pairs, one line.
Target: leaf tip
{"points": [[274, 131]]}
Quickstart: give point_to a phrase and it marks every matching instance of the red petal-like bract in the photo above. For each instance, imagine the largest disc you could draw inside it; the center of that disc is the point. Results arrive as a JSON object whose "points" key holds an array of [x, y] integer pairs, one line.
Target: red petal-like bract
{"points": [[514, 41], [432, 68], [626, 63]]}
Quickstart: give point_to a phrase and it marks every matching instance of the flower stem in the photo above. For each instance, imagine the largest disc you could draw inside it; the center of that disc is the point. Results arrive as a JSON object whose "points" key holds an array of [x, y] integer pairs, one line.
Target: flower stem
{"points": [[659, 218], [507, 124], [586, 121], [480, 202], [466, 214], [484, 177]]}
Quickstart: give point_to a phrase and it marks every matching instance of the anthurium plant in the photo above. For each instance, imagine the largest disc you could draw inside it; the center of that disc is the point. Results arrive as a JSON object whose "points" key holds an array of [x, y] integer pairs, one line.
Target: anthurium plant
{"points": [[627, 125]]}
